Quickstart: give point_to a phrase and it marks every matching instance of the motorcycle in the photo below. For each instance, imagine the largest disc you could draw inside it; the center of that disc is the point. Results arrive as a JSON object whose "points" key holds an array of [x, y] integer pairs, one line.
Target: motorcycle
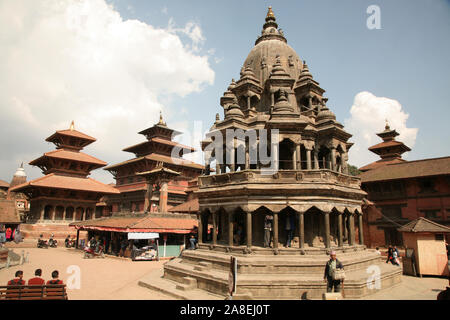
{"points": [[70, 243], [42, 244], [52, 243], [92, 253]]}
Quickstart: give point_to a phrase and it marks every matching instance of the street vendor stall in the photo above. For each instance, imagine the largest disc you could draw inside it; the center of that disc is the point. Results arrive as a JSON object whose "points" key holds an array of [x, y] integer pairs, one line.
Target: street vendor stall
{"points": [[425, 248], [128, 236], [144, 246]]}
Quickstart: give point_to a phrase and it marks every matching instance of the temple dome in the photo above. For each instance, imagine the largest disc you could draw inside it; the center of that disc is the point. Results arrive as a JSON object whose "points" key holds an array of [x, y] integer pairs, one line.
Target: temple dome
{"points": [[325, 114], [268, 46]]}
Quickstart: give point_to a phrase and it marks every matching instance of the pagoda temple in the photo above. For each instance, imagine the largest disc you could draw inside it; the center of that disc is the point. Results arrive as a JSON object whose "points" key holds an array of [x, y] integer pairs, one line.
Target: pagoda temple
{"points": [[65, 193], [156, 178], [390, 150], [315, 205]]}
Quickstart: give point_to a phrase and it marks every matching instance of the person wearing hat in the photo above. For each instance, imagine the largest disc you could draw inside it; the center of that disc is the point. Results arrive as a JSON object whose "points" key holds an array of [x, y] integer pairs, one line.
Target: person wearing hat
{"points": [[328, 277]]}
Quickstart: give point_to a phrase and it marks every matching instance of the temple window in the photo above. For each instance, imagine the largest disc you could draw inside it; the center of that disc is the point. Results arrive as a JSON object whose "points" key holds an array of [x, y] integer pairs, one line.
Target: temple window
{"points": [[392, 212], [324, 156], [286, 155], [430, 214], [427, 186]]}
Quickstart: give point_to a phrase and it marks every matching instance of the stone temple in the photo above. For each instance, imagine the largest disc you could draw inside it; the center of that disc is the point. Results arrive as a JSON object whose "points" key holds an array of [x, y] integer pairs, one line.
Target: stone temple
{"points": [[276, 91]]}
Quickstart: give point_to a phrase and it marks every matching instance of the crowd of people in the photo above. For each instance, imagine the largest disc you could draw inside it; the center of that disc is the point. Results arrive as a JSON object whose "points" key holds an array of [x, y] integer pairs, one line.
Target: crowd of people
{"points": [[393, 256], [37, 280], [8, 234]]}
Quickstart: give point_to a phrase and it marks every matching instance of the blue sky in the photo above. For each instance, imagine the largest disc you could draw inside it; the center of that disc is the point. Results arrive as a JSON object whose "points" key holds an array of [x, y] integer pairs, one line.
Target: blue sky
{"points": [[406, 61]]}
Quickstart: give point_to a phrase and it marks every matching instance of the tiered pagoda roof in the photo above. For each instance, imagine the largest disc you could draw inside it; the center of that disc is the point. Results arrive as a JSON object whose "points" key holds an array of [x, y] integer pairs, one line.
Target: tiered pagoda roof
{"points": [[158, 148], [66, 168], [389, 150]]}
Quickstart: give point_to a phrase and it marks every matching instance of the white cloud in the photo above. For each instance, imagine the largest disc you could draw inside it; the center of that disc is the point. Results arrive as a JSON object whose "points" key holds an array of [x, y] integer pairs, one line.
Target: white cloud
{"points": [[192, 31], [368, 117], [79, 60]]}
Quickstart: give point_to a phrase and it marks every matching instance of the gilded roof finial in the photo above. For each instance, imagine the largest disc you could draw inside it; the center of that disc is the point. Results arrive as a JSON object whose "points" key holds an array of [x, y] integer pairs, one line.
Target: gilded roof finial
{"points": [[161, 121], [387, 125], [270, 13], [72, 126]]}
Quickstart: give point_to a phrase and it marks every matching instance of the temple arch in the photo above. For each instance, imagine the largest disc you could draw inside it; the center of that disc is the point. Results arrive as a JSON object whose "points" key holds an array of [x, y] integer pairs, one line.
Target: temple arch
{"points": [[59, 213], [324, 158], [69, 213], [79, 214], [48, 212]]}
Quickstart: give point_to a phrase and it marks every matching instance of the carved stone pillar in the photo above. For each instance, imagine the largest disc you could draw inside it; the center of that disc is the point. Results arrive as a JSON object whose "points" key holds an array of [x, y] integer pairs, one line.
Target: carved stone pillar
{"points": [[333, 159], [344, 163], [345, 222], [53, 213], [326, 217], [232, 159], [275, 156], [275, 230], [200, 228], [230, 229], [298, 156], [249, 229], [316, 159], [301, 230], [308, 159], [294, 160], [360, 229], [247, 157], [340, 239], [214, 221], [352, 230]]}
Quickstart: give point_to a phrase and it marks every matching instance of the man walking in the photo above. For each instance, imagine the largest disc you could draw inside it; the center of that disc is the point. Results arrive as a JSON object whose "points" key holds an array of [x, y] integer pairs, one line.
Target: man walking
{"points": [[329, 276], [268, 221]]}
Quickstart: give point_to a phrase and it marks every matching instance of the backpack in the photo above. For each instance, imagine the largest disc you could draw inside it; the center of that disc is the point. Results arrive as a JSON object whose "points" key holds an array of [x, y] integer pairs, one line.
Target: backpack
{"points": [[54, 282], [16, 282]]}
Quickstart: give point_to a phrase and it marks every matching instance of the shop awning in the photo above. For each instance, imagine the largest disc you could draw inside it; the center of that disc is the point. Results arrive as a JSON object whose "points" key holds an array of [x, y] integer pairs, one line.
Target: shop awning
{"points": [[142, 235], [148, 224]]}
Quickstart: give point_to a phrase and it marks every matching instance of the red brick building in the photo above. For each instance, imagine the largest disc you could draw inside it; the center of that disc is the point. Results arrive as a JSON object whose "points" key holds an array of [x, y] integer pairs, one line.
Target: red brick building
{"points": [[402, 191]]}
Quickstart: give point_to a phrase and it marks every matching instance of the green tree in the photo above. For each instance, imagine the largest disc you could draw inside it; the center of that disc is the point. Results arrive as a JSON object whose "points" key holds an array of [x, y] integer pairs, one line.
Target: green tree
{"points": [[353, 170]]}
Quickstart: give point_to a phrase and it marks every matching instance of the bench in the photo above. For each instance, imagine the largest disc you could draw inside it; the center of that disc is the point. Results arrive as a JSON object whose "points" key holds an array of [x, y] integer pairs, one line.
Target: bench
{"points": [[34, 292]]}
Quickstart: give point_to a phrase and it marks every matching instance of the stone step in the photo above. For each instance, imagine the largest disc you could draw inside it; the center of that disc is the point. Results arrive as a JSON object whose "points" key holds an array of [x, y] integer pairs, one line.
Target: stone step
{"points": [[155, 282], [188, 283], [309, 286]]}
